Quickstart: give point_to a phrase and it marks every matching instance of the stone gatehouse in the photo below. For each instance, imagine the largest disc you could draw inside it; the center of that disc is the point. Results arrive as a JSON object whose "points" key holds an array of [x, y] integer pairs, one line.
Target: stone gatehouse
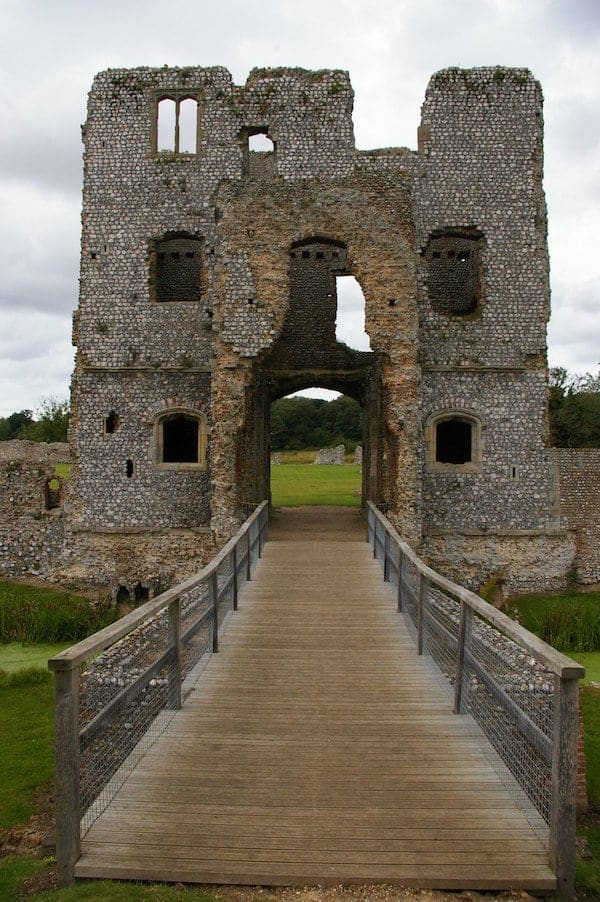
{"points": [[208, 290]]}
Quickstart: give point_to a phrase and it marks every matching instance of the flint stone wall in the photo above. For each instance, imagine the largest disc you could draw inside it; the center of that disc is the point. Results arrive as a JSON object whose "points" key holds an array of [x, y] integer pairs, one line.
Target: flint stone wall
{"points": [[32, 539], [331, 455], [578, 473]]}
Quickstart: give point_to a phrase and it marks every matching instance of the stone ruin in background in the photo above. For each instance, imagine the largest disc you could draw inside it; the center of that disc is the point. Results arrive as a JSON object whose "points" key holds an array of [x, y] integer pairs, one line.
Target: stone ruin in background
{"points": [[208, 289]]}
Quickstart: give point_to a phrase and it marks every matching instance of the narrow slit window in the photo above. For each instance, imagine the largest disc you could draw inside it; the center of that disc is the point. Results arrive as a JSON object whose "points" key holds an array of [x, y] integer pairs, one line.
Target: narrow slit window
{"points": [[188, 124], [111, 423], [166, 124]]}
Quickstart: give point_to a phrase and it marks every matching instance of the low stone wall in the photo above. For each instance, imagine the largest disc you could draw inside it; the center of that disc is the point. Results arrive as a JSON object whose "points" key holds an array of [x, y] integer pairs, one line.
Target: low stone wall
{"points": [[35, 452], [31, 521], [578, 479], [135, 561], [520, 562]]}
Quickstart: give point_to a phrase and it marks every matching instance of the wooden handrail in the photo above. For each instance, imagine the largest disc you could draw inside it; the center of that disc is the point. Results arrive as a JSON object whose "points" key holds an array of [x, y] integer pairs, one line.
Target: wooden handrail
{"points": [[558, 663], [87, 648]]}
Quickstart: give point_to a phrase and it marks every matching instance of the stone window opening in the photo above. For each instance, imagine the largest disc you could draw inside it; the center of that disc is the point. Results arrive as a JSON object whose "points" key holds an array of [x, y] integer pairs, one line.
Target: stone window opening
{"points": [[53, 491], [176, 125], [111, 423], [141, 594], [258, 151], [181, 440], [454, 442], [129, 468], [259, 142], [350, 315], [176, 268], [454, 284]]}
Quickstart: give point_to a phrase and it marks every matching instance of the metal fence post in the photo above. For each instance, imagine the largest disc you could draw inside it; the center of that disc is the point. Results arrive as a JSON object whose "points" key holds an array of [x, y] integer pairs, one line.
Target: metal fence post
{"points": [[385, 556], [375, 538], [215, 601], [175, 643], [66, 743], [400, 578], [464, 626], [564, 779], [248, 556], [235, 578], [423, 587]]}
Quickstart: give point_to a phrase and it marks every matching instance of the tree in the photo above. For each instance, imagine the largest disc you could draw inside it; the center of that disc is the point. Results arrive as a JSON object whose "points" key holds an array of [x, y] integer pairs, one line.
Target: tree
{"points": [[301, 423], [52, 423], [574, 408], [11, 425]]}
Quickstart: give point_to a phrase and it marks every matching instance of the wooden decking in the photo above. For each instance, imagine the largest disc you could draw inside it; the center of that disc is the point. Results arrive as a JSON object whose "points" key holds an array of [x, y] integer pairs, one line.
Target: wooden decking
{"points": [[317, 748]]}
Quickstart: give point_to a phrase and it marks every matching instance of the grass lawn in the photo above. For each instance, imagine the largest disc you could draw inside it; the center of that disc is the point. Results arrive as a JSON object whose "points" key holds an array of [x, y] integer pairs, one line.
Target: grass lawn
{"points": [[19, 656], [26, 743], [296, 484], [63, 470]]}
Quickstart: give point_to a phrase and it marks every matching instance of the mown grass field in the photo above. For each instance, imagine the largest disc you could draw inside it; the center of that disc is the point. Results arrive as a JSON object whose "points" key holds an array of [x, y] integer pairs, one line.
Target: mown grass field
{"points": [[300, 482]]}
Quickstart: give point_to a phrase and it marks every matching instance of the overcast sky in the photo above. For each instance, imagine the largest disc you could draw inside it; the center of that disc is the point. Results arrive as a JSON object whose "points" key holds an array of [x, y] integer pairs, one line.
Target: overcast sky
{"points": [[50, 51]]}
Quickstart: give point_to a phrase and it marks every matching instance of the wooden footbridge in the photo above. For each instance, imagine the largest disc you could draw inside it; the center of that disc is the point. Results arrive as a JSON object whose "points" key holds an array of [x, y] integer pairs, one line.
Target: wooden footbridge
{"points": [[320, 745]]}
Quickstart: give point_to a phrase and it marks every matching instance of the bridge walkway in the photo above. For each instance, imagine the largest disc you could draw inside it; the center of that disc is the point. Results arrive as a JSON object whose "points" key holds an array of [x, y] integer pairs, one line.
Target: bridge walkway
{"points": [[317, 748]]}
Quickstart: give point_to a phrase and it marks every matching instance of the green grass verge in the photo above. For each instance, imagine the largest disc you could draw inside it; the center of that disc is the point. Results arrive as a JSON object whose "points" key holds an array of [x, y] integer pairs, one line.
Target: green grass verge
{"points": [[569, 622], [32, 614], [16, 869], [26, 742], [588, 872], [63, 470], [16, 656], [293, 485]]}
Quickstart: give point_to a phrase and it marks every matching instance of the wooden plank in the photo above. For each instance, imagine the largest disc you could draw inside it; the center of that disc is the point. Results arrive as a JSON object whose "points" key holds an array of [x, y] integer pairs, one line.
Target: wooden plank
{"points": [[317, 748]]}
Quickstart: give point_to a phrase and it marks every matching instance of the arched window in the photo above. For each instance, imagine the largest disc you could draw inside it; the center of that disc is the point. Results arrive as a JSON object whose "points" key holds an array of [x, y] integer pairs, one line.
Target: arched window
{"points": [[454, 441], [177, 265], [181, 439], [176, 125]]}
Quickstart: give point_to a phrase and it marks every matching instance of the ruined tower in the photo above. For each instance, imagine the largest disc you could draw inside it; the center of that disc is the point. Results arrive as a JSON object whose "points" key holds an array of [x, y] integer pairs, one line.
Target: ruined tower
{"points": [[208, 275]]}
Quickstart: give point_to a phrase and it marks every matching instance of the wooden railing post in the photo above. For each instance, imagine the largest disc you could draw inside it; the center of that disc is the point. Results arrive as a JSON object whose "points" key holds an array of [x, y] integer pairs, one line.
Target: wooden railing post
{"points": [[464, 626], [175, 644], [400, 578], [214, 591], [66, 743], [423, 588], [564, 780], [235, 579]]}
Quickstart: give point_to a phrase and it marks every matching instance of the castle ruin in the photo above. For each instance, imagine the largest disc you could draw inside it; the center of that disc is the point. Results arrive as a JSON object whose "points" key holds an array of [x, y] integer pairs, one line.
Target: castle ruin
{"points": [[208, 290]]}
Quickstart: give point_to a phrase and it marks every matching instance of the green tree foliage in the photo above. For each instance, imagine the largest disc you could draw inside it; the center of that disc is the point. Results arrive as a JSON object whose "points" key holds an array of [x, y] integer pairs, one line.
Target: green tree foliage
{"points": [[11, 426], [299, 423], [50, 426], [574, 406]]}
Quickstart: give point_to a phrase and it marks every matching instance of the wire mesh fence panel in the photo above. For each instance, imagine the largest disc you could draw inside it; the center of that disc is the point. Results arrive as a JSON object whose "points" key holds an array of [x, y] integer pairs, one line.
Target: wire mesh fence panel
{"points": [[410, 594], [122, 693], [196, 627], [511, 696], [440, 631], [508, 690]]}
